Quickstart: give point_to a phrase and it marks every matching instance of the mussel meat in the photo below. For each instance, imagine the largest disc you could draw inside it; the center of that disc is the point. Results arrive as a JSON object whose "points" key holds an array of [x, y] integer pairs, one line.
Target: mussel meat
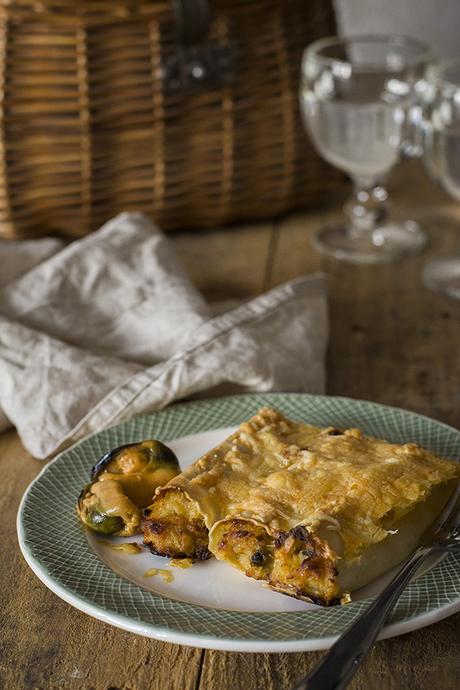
{"points": [[123, 482]]}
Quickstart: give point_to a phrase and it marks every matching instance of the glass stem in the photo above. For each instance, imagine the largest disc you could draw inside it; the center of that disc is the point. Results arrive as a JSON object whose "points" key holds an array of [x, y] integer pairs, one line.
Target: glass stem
{"points": [[367, 208]]}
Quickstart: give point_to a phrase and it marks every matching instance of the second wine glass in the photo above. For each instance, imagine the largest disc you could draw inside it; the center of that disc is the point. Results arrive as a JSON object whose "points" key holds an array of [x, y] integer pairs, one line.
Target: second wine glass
{"points": [[442, 156], [359, 99]]}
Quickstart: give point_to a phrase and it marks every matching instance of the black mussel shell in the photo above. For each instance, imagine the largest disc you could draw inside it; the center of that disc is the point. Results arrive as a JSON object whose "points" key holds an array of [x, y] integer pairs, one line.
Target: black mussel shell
{"points": [[104, 524], [159, 453]]}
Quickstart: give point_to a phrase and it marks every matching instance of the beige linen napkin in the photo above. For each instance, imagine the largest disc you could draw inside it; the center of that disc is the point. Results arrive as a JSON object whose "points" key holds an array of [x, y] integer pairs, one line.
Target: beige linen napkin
{"points": [[110, 326]]}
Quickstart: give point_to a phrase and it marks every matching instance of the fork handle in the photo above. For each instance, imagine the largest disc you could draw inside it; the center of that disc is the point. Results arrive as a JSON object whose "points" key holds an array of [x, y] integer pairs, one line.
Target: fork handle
{"points": [[337, 668]]}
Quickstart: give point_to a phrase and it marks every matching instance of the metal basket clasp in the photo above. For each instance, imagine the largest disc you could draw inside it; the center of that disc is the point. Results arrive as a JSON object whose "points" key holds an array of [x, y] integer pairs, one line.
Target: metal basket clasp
{"points": [[199, 61]]}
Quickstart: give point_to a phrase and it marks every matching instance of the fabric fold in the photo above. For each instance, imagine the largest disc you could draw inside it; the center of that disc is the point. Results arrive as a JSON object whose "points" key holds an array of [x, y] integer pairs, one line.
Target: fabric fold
{"points": [[110, 327]]}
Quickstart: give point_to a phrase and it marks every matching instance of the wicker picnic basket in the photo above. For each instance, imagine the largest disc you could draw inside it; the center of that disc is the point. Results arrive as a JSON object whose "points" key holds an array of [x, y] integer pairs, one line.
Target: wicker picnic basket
{"points": [[112, 105]]}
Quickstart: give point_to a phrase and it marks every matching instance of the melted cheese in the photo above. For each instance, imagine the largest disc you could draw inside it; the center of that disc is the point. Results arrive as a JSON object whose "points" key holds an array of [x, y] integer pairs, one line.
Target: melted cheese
{"points": [[399, 542], [167, 575], [346, 490], [140, 486], [130, 547], [114, 503], [183, 563]]}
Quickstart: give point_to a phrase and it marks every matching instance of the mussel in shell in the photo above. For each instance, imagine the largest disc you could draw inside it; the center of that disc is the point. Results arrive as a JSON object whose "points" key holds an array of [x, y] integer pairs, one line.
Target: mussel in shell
{"points": [[123, 482], [144, 456]]}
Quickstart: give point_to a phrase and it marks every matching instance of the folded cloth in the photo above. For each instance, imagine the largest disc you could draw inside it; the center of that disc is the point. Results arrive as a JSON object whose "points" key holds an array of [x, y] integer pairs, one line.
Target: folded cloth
{"points": [[110, 326]]}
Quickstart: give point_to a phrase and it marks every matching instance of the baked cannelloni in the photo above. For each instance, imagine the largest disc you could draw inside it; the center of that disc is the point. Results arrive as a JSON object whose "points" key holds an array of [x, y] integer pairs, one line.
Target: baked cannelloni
{"points": [[315, 513]]}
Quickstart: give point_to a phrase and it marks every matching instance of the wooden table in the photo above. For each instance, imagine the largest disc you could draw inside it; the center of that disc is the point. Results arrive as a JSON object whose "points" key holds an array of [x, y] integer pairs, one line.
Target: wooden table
{"points": [[391, 341]]}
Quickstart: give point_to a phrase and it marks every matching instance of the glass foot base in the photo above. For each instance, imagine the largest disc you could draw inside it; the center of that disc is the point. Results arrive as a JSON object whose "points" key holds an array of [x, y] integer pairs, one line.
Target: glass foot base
{"points": [[389, 242], [442, 274]]}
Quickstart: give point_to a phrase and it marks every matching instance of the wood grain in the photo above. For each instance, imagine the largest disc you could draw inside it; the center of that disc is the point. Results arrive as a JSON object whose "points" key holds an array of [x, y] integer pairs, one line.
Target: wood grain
{"points": [[391, 341], [394, 342], [230, 263], [47, 644]]}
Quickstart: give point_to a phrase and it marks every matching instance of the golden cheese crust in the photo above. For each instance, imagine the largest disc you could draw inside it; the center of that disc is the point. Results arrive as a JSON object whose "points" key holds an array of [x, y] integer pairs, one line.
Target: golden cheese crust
{"points": [[174, 527], [290, 503], [296, 563]]}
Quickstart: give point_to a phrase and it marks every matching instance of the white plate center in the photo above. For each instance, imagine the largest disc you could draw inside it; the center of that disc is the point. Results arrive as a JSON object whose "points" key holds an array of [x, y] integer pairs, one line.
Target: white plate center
{"points": [[211, 583]]}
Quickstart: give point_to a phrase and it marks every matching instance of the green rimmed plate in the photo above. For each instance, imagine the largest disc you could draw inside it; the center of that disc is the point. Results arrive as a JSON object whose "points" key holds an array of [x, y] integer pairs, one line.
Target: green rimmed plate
{"points": [[211, 605]]}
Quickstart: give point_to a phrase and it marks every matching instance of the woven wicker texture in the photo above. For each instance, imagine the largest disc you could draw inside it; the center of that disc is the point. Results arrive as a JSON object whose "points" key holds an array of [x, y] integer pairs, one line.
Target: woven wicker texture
{"points": [[88, 128]]}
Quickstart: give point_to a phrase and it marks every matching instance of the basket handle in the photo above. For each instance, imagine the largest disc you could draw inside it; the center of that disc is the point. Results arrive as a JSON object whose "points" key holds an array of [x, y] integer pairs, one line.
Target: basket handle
{"points": [[198, 61]]}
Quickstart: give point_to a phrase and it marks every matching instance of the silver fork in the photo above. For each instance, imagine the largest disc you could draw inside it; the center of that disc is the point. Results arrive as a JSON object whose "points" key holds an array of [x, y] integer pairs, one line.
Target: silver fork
{"points": [[338, 667]]}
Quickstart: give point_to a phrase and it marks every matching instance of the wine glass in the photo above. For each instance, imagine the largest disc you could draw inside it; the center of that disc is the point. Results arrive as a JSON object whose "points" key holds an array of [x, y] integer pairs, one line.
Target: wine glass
{"points": [[442, 155], [361, 101]]}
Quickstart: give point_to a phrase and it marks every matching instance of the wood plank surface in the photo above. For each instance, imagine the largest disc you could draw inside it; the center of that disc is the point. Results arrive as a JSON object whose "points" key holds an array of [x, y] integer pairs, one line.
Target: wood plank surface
{"points": [[45, 643], [391, 341]]}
